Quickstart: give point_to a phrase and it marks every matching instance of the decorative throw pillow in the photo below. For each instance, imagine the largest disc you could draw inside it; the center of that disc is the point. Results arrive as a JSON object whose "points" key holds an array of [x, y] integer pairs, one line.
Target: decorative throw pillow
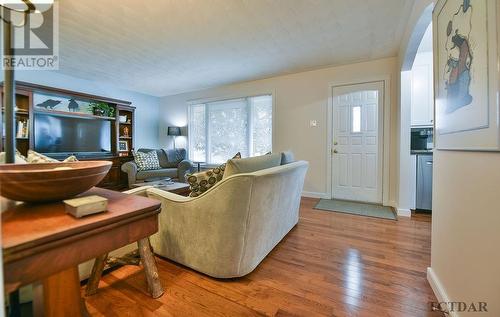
{"points": [[202, 181], [252, 164], [287, 157], [147, 161], [69, 159], [19, 158], [35, 157]]}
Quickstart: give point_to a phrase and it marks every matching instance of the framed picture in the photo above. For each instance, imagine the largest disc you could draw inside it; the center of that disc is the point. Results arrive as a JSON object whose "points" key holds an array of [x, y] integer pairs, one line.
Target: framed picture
{"points": [[466, 75], [123, 146]]}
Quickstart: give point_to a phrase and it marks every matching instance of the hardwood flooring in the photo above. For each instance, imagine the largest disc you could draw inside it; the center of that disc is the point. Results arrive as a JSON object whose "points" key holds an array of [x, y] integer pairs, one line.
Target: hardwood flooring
{"points": [[330, 264]]}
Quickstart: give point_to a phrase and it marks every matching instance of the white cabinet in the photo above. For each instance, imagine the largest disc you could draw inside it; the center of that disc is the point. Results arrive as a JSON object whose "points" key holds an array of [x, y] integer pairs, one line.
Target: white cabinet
{"points": [[422, 94]]}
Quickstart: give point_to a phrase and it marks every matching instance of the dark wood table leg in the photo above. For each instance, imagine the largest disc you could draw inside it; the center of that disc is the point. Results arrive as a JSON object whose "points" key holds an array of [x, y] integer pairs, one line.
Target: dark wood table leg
{"points": [[95, 275], [150, 269], [61, 294]]}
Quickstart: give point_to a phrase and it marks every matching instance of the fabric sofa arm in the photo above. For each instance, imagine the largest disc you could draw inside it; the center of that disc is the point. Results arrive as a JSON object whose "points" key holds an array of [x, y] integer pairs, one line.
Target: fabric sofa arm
{"points": [[184, 167], [139, 191], [167, 196], [131, 169]]}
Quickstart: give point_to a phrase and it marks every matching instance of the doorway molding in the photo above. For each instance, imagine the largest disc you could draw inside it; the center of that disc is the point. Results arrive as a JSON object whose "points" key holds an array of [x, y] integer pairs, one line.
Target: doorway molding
{"points": [[386, 118]]}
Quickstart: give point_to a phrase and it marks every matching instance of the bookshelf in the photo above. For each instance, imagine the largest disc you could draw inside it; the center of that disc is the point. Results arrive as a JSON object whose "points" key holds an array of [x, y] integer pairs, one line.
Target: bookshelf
{"points": [[28, 97]]}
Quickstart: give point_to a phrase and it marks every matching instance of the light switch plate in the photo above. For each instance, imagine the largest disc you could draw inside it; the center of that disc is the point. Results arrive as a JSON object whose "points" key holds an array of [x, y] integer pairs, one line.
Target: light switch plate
{"points": [[313, 123]]}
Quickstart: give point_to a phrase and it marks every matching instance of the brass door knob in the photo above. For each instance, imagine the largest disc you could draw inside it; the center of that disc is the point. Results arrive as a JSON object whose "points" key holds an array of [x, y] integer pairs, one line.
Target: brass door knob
{"points": [[335, 151]]}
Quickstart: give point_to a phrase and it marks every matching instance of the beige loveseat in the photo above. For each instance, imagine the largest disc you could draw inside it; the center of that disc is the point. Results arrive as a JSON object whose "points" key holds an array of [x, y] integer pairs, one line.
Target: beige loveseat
{"points": [[227, 231]]}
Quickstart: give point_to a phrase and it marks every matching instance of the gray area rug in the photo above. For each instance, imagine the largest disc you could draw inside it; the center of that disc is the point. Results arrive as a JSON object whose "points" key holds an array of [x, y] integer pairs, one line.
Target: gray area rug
{"points": [[348, 207]]}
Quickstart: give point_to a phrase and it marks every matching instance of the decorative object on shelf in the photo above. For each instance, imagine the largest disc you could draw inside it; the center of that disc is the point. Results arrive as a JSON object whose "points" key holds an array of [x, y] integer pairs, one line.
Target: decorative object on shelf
{"points": [[175, 132], [466, 75], [22, 129], [73, 105], [51, 103], [64, 103], [122, 119], [50, 181], [123, 146], [102, 109], [126, 132]]}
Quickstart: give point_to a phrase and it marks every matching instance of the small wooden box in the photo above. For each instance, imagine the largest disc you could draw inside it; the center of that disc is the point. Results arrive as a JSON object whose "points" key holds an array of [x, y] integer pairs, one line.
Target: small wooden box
{"points": [[83, 206]]}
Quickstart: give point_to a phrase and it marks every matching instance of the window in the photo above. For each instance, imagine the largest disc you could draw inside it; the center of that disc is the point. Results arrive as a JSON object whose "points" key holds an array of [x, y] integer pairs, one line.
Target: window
{"points": [[356, 119], [220, 129]]}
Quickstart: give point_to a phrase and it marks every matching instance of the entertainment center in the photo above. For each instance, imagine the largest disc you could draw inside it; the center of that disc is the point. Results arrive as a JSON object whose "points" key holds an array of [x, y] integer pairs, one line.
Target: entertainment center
{"points": [[59, 123]]}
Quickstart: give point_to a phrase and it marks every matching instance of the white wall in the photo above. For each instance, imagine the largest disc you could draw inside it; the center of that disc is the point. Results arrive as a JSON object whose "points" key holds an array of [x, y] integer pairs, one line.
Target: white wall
{"points": [[298, 98], [147, 107], [405, 166], [465, 259]]}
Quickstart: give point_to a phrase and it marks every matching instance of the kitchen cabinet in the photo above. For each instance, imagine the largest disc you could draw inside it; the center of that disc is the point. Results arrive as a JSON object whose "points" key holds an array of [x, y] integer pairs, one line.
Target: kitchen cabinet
{"points": [[422, 93]]}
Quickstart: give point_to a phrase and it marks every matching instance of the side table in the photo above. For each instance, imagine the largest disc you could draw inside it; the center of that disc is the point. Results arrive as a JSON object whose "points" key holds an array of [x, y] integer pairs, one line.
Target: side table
{"points": [[41, 242]]}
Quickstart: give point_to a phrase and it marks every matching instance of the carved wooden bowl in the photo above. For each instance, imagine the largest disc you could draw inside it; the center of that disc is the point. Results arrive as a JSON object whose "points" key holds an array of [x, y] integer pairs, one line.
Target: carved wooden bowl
{"points": [[50, 181]]}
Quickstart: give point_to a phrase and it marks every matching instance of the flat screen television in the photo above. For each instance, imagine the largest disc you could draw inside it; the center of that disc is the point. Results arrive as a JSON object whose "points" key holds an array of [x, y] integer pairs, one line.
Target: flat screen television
{"points": [[60, 134]]}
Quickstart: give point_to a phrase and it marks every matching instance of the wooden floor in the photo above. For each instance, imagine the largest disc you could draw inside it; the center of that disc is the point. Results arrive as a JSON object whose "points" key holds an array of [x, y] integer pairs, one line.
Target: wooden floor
{"points": [[331, 264]]}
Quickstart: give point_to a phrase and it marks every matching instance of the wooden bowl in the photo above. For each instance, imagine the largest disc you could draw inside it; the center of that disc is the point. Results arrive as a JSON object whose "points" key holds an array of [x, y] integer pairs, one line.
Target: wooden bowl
{"points": [[50, 181]]}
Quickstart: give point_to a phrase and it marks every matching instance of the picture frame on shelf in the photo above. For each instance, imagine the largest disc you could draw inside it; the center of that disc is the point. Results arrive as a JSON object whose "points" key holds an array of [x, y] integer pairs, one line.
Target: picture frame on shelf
{"points": [[466, 76], [123, 146]]}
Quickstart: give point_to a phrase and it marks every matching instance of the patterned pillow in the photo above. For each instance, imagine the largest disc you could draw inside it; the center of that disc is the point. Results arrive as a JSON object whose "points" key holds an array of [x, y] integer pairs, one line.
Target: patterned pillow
{"points": [[19, 158], [202, 181], [35, 157], [147, 161]]}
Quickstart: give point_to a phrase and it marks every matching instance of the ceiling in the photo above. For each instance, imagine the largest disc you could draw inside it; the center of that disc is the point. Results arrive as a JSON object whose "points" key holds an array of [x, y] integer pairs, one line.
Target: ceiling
{"points": [[167, 47]]}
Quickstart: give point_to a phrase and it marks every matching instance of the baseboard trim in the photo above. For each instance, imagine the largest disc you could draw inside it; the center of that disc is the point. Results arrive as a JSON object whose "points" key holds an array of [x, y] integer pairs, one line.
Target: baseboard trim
{"points": [[315, 195], [402, 212], [438, 289]]}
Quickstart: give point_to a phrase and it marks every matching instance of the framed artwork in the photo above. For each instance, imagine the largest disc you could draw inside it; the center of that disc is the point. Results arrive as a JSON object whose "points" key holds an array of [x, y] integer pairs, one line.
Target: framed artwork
{"points": [[466, 75], [123, 146]]}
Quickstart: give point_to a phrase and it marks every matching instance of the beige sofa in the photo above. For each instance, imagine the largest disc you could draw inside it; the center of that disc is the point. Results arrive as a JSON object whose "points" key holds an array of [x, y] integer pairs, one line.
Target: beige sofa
{"points": [[227, 231]]}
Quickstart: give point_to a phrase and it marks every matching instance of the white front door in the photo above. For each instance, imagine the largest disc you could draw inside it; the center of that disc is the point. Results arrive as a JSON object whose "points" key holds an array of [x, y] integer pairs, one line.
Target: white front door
{"points": [[358, 142]]}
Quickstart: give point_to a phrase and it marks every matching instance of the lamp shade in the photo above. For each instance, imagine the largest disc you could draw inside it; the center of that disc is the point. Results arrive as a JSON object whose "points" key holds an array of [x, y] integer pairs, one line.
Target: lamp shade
{"points": [[174, 131]]}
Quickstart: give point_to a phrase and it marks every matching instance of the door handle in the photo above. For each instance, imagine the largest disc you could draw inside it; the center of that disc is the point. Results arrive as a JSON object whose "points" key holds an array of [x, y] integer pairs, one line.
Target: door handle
{"points": [[429, 162], [335, 143], [335, 151]]}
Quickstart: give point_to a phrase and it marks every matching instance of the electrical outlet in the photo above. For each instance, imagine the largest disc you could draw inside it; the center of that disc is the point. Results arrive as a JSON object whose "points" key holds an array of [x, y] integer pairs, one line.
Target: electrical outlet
{"points": [[313, 123]]}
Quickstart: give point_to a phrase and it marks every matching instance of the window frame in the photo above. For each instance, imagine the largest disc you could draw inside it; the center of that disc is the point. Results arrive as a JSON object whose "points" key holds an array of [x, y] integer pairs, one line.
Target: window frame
{"points": [[205, 101]]}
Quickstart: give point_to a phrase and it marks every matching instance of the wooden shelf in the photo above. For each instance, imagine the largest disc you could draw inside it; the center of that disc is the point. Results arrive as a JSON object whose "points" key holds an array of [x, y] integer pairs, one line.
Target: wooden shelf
{"points": [[72, 114], [126, 137], [125, 123], [22, 112]]}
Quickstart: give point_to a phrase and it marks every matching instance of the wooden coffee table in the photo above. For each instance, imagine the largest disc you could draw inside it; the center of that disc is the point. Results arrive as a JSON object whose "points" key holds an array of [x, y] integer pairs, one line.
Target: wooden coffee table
{"points": [[173, 187]]}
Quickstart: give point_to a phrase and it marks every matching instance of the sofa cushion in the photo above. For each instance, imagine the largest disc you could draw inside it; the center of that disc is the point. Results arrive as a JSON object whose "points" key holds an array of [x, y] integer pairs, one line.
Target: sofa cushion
{"points": [[202, 181], [175, 156], [146, 160], [164, 172], [168, 158], [252, 164], [287, 157]]}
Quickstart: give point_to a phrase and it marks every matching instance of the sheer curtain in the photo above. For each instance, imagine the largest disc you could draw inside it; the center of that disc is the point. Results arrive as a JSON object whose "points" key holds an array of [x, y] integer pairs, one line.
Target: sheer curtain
{"points": [[220, 129]]}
